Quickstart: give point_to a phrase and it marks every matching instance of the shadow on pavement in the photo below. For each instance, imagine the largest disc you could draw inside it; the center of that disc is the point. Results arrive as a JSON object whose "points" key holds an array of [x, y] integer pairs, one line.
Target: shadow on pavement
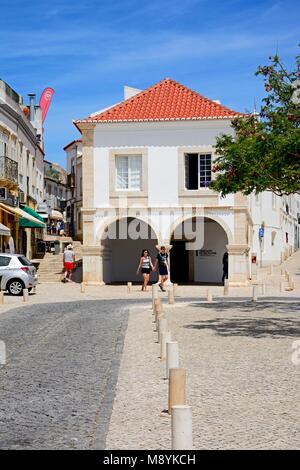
{"points": [[276, 327]]}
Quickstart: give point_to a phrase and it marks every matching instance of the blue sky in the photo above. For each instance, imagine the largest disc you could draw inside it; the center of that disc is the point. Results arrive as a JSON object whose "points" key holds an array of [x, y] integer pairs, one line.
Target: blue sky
{"points": [[88, 49]]}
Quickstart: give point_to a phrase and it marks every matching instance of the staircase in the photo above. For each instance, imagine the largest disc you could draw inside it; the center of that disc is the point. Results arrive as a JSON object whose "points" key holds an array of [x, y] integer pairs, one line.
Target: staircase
{"points": [[50, 268]]}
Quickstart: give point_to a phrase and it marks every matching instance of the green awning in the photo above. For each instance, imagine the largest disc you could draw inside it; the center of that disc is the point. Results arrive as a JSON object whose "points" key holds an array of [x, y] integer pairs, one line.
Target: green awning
{"points": [[25, 223]]}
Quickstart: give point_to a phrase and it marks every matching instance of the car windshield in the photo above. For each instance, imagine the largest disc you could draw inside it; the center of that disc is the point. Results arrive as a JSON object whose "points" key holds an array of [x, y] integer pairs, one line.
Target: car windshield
{"points": [[23, 260]]}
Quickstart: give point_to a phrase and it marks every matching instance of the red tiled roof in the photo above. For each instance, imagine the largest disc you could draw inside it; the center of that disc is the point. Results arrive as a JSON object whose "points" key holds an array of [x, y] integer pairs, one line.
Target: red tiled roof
{"points": [[167, 100], [71, 143]]}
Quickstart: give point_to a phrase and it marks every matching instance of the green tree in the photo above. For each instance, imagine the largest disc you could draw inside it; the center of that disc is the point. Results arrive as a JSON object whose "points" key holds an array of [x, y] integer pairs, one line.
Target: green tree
{"points": [[264, 154]]}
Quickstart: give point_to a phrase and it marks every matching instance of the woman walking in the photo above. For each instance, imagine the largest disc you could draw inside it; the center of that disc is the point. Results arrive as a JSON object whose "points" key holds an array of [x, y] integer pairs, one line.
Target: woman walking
{"points": [[146, 265], [163, 267]]}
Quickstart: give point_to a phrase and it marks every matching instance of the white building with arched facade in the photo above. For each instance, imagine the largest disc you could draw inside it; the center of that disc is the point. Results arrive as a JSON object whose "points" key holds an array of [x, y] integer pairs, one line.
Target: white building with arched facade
{"points": [[146, 170]]}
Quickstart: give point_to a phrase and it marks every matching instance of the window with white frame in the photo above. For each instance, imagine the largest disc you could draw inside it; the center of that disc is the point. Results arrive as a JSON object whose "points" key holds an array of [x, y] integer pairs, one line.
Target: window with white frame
{"points": [[129, 172], [197, 170]]}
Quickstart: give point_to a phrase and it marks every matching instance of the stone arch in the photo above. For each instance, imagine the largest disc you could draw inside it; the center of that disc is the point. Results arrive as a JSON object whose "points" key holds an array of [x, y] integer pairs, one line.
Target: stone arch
{"points": [[202, 263], [113, 219], [217, 219], [120, 255]]}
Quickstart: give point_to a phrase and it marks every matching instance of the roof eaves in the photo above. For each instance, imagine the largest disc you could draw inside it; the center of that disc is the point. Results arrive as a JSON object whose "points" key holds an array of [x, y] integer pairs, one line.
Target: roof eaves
{"points": [[203, 118]]}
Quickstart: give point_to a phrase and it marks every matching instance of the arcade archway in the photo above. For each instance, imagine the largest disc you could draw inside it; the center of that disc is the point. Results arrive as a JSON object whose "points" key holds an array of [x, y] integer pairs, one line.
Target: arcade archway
{"points": [[121, 252], [203, 265]]}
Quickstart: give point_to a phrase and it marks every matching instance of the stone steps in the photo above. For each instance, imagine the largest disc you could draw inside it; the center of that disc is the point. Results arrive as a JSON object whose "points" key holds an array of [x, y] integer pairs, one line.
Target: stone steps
{"points": [[51, 266]]}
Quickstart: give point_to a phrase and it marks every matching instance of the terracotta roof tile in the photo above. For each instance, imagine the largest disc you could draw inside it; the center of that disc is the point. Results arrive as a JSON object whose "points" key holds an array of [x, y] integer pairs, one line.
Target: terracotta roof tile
{"points": [[167, 100]]}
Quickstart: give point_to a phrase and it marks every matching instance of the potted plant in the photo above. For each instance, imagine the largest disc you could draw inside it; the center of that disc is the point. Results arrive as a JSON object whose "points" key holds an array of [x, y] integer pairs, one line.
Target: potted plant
{"points": [[56, 247]]}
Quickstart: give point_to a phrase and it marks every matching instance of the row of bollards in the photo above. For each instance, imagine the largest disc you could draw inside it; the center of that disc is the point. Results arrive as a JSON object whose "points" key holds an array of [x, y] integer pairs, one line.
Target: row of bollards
{"points": [[180, 412], [25, 294]]}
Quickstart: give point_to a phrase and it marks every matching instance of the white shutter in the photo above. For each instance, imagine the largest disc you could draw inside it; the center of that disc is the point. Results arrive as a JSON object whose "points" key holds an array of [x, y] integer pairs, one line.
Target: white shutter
{"points": [[135, 172]]}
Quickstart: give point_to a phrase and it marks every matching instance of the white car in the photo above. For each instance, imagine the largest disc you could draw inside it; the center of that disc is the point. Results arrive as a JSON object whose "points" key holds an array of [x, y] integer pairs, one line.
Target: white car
{"points": [[16, 273]]}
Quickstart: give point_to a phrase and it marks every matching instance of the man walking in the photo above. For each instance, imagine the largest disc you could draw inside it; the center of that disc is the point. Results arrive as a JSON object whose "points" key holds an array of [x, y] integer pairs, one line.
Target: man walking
{"points": [[69, 263]]}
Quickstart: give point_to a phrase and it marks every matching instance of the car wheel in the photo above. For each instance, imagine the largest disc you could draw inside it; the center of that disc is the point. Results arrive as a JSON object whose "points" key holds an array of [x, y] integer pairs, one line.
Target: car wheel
{"points": [[29, 289], [15, 287]]}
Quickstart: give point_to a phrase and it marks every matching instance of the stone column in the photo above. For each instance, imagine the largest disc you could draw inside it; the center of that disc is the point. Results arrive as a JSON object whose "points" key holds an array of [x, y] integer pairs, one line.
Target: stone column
{"points": [[92, 264], [87, 164], [237, 265], [238, 251]]}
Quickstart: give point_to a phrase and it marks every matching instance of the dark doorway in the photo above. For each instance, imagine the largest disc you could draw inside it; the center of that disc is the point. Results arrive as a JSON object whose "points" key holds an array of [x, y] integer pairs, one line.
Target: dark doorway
{"points": [[179, 261], [203, 265]]}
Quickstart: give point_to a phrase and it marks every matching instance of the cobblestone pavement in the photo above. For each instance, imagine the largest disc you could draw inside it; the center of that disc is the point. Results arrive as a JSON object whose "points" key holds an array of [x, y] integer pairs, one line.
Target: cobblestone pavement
{"points": [[57, 386], [241, 382]]}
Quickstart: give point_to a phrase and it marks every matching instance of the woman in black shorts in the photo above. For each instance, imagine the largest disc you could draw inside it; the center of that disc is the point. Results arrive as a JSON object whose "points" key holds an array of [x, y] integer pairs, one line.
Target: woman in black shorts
{"points": [[146, 266]]}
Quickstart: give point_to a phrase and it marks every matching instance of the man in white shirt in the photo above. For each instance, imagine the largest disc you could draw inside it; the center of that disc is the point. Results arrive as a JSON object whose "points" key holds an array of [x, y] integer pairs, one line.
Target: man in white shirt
{"points": [[69, 263]]}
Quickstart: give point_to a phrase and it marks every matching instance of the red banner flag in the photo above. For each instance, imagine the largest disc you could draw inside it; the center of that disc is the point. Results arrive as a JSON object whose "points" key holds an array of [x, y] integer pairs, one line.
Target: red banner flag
{"points": [[45, 101]]}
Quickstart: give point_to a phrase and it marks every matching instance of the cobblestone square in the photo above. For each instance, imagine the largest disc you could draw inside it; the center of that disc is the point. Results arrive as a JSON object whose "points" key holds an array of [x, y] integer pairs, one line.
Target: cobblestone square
{"points": [[241, 382], [83, 370]]}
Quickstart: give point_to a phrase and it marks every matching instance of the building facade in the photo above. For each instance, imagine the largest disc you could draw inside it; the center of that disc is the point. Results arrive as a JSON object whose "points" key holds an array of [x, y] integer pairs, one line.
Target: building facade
{"points": [[74, 169], [146, 169], [21, 170], [55, 191]]}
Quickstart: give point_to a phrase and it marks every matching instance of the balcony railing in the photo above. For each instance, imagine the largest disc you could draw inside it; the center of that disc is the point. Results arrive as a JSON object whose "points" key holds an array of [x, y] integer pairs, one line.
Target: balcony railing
{"points": [[8, 169]]}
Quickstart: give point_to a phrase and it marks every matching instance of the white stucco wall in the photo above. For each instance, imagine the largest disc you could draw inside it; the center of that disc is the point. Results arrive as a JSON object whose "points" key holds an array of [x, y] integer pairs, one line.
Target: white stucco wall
{"points": [[162, 176], [163, 142], [270, 210]]}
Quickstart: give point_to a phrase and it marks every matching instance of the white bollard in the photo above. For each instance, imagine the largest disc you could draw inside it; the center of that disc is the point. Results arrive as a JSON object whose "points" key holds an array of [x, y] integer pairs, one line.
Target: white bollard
{"points": [[129, 286], [1, 297], [172, 356], [254, 294], [209, 295], [175, 286], [165, 337], [82, 287], [154, 295], [158, 308], [170, 296], [271, 270], [161, 326], [177, 388], [226, 287], [182, 428], [25, 295], [291, 284]]}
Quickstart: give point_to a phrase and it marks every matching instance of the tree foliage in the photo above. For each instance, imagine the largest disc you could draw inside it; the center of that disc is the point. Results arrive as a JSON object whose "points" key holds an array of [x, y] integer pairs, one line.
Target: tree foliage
{"points": [[264, 153]]}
